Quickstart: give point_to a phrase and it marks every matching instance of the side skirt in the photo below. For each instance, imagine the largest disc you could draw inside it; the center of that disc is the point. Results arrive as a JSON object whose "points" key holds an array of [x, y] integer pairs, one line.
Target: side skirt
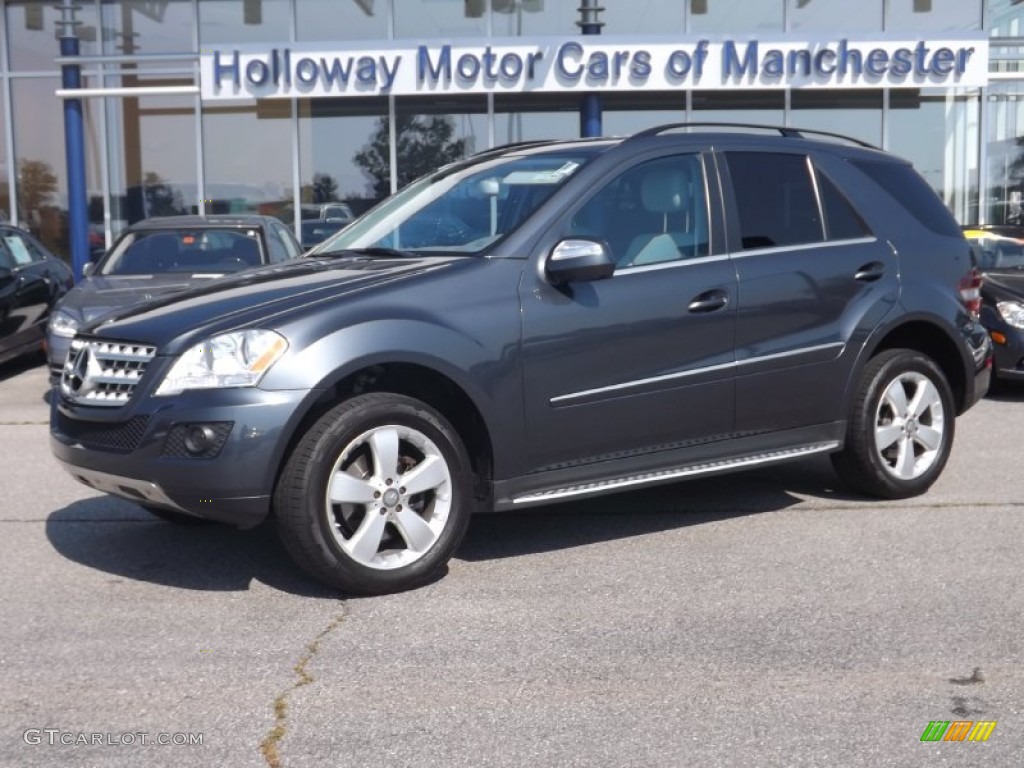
{"points": [[613, 476]]}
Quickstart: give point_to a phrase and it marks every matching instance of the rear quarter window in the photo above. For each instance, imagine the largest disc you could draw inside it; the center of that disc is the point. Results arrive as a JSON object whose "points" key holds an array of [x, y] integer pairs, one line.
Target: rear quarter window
{"points": [[912, 192]]}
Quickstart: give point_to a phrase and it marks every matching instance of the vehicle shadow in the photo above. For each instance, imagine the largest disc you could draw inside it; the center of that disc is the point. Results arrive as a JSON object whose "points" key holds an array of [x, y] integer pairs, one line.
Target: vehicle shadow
{"points": [[119, 538], [22, 364], [652, 510]]}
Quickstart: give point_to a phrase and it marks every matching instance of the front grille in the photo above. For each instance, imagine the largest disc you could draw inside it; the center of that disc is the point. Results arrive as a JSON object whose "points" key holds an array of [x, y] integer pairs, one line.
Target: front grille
{"points": [[103, 372], [122, 436]]}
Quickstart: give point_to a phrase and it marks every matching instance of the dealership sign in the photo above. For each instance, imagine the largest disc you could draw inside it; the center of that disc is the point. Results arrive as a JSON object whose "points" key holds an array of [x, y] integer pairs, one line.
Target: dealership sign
{"points": [[557, 64]]}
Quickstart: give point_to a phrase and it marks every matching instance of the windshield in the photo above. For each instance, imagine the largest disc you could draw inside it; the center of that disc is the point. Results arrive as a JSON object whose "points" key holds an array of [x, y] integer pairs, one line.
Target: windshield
{"points": [[191, 251], [992, 251], [462, 210]]}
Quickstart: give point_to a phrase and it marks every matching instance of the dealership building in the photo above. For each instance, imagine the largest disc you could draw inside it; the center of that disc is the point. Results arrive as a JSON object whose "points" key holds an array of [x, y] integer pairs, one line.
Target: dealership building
{"points": [[114, 110]]}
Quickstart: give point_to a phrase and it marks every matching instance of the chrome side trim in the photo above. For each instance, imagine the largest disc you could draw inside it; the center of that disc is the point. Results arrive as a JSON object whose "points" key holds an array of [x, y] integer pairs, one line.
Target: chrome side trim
{"points": [[123, 487], [793, 353], [675, 264], [689, 470], [694, 372], [802, 247]]}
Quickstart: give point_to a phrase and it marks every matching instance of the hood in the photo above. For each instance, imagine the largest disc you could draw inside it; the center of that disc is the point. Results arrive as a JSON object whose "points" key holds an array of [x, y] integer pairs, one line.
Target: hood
{"points": [[1003, 284], [97, 295], [265, 296]]}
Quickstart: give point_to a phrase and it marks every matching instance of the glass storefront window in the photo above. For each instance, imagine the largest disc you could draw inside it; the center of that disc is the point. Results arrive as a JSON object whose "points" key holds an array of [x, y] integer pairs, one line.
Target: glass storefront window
{"points": [[335, 141], [32, 34], [761, 107], [5, 168], [516, 18], [419, 19], [41, 180], [1004, 199], [430, 133], [937, 131], [655, 19], [334, 20], [625, 114], [730, 17], [535, 116], [151, 146], [853, 113], [244, 21], [923, 16], [248, 157], [837, 16], [137, 26]]}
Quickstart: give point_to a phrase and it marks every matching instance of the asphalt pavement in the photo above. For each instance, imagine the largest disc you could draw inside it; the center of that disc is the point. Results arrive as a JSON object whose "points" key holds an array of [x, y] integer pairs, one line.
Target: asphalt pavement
{"points": [[764, 619]]}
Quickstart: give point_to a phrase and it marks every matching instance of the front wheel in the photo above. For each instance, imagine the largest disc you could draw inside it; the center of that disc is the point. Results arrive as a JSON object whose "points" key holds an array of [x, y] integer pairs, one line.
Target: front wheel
{"points": [[900, 432], [376, 496]]}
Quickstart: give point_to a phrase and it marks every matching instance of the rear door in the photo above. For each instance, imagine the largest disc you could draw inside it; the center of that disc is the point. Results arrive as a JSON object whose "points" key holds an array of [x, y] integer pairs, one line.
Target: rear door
{"points": [[814, 280]]}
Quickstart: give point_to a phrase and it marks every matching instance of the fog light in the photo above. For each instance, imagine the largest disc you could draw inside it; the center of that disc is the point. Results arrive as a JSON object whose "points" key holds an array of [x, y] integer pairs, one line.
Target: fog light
{"points": [[199, 438], [998, 337]]}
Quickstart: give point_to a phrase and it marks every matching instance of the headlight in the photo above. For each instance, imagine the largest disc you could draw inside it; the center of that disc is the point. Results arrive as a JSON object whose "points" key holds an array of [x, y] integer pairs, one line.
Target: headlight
{"points": [[1012, 312], [236, 359], [63, 323]]}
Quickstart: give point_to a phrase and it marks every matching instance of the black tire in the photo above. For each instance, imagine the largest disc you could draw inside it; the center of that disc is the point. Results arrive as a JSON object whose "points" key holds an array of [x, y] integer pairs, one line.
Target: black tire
{"points": [[178, 518], [909, 465], [333, 539]]}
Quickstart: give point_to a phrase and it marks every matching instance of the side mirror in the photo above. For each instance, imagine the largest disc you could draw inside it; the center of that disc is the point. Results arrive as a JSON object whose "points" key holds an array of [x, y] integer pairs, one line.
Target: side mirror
{"points": [[577, 260], [88, 268]]}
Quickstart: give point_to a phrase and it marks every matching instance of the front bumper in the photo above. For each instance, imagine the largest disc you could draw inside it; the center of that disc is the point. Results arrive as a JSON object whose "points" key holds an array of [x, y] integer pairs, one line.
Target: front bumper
{"points": [[1009, 355], [137, 451]]}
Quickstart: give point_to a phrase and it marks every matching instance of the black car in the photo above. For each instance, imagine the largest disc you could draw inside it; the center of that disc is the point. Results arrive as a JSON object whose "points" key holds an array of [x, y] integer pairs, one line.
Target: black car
{"points": [[999, 250], [541, 322], [32, 281], [163, 255]]}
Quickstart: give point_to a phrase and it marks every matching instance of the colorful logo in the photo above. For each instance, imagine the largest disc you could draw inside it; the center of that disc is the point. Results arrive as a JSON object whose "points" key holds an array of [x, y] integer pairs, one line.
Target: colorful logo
{"points": [[958, 730]]}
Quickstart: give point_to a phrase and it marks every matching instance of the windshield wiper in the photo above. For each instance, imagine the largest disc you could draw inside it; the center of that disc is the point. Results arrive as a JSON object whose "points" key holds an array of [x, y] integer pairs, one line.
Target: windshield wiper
{"points": [[371, 251]]}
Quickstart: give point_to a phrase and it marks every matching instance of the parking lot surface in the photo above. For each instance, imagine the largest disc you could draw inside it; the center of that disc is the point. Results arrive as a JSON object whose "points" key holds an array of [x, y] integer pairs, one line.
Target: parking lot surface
{"points": [[764, 619]]}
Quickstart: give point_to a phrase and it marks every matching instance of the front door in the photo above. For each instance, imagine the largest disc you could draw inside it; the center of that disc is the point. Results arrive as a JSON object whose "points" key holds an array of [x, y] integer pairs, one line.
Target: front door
{"points": [[641, 362]]}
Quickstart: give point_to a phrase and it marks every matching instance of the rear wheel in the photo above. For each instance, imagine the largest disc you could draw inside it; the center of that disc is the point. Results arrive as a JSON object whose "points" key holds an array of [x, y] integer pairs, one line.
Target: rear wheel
{"points": [[376, 496], [900, 432]]}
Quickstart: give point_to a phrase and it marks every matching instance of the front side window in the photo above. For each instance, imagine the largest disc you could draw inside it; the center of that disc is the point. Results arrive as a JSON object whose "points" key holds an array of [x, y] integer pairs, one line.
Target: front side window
{"points": [[654, 212], [775, 199], [462, 209]]}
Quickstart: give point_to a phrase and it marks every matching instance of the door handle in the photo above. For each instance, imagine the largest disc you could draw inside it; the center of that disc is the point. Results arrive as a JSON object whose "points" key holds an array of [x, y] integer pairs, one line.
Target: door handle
{"points": [[870, 272], [708, 301]]}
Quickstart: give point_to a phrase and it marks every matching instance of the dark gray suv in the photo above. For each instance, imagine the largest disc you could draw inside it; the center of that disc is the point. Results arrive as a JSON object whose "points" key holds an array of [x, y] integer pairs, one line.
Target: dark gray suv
{"points": [[540, 322]]}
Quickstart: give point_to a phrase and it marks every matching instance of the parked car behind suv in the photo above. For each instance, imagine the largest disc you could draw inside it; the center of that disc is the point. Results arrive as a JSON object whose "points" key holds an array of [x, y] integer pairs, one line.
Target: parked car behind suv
{"points": [[540, 322], [32, 281], [999, 249], [162, 255]]}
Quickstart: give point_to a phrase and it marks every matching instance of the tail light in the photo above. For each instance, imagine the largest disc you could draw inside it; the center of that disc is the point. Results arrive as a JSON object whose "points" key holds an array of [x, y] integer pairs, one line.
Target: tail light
{"points": [[970, 291]]}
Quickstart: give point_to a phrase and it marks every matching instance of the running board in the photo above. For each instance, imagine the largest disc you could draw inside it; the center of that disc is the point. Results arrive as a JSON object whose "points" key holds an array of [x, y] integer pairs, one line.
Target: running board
{"points": [[662, 475]]}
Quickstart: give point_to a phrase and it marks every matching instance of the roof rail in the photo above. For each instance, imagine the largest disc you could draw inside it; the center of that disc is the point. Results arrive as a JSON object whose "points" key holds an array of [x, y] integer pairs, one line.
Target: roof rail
{"points": [[791, 133]]}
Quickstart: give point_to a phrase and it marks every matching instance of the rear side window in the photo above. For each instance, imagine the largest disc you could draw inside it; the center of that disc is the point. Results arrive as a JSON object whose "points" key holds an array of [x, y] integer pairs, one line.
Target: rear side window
{"points": [[775, 199], [913, 193], [842, 222]]}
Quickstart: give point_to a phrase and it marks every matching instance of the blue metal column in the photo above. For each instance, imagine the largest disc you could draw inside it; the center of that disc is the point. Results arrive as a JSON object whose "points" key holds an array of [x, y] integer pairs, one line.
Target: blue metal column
{"points": [[590, 107], [74, 146]]}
